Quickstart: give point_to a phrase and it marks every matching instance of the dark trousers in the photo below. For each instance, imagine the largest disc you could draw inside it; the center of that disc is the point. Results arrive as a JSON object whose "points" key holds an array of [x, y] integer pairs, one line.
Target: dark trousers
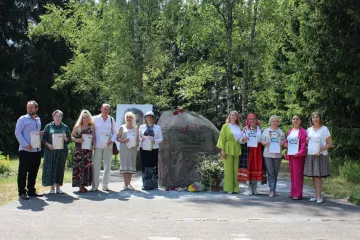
{"points": [[29, 162]]}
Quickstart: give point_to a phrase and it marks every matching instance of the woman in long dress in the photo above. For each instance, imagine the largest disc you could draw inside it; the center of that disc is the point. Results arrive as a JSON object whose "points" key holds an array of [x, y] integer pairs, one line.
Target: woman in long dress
{"points": [[128, 137], [82, 164], [56, 138]]}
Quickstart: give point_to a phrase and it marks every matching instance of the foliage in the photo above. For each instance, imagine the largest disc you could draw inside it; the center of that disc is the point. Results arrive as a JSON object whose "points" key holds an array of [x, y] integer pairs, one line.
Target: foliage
{"points": [[269, 57], [4, 164], [70, 157], [350, 171], [209, 168], [115, 162], [27, 68], [355, 196]]}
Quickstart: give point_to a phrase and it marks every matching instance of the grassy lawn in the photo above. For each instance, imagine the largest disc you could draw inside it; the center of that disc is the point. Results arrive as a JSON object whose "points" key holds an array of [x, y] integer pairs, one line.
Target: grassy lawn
{"points": [[8, 183], [335, 185]]}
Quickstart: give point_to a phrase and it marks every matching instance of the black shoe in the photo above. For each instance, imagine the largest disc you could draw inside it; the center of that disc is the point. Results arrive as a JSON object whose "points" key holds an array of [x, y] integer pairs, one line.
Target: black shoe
{"points": [[24, 196], [35, 195]]}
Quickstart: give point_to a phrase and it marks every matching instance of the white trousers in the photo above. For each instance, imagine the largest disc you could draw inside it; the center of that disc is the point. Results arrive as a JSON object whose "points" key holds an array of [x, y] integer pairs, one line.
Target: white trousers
{"points": [[101, 154]]}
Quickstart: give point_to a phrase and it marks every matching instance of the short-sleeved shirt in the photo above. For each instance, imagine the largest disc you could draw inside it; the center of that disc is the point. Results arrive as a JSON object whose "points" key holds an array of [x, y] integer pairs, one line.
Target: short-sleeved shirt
{"points": [[265, 137], [107, 127], [322, 133]]}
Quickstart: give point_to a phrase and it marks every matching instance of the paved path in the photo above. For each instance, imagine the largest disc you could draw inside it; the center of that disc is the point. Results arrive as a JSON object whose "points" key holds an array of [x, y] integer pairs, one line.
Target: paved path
{"points": [[161, 215]]}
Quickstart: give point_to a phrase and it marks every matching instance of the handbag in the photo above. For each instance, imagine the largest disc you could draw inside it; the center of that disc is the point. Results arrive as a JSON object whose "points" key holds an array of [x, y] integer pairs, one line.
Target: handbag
{"points": [[115, 150]]}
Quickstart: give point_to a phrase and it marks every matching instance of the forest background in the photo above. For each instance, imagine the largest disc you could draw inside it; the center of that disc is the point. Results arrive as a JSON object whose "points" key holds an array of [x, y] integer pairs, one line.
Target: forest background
{"points": [[210, 56]]}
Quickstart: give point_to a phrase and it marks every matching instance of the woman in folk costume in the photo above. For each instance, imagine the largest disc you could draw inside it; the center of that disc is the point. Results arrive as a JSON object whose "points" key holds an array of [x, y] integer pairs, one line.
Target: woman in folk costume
{"points": [[229, 145], [251, 167]]}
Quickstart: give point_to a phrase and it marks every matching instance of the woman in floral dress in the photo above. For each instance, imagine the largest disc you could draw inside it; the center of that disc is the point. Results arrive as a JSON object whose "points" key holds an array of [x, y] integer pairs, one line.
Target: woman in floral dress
{"points": [[82, 165]]}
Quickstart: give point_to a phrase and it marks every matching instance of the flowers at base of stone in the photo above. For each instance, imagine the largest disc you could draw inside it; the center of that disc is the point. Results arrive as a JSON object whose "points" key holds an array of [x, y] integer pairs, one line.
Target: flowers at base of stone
{"points": [[196, 187], [178, 110]]}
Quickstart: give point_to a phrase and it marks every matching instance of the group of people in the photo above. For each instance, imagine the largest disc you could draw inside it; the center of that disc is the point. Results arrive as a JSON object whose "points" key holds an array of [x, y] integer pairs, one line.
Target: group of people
{"points": [[94, 139], [248, 154]]}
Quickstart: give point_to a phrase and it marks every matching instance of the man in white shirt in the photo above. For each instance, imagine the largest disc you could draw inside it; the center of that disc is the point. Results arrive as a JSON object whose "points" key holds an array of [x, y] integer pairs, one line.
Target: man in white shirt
{"points": [[105, 135]]}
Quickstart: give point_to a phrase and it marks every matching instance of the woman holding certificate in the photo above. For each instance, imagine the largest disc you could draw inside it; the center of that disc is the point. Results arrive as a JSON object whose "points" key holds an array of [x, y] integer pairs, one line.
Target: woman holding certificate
{"points": [[83, 135], [317, 163], [56, 138], [273, 139], [229, 144], [251, 163], [150, 136], [129, 139], [296, 152]]}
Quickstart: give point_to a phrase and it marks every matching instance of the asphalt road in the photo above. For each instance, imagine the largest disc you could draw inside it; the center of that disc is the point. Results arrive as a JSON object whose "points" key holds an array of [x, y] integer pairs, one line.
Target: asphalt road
{"points": [[161, 215]]}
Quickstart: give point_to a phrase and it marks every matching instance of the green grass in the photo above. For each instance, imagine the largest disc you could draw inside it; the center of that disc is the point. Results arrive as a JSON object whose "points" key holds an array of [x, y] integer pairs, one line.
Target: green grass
{"points": [[335, 185], [8, 182]]}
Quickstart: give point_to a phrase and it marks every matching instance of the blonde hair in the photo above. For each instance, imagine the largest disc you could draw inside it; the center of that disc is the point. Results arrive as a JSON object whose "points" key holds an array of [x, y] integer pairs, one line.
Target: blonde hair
{"points": [[272, 118], [79, 121], [237, 120], [133, 124]]}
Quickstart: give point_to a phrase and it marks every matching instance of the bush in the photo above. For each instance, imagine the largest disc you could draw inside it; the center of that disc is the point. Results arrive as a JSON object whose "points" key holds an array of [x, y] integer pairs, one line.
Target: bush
{"points": [[350, 171], [209, 168], [115, 162], [70, 157], [355, 196], [4, 164]]}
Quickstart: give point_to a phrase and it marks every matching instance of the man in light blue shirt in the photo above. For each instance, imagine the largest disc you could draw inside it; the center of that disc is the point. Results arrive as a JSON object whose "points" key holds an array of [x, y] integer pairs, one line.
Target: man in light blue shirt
{"points": [[29, 156]]}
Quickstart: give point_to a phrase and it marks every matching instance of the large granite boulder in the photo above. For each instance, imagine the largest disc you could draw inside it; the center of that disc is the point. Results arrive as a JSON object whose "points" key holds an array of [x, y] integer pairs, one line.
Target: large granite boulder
{"points": [[185, 135]]}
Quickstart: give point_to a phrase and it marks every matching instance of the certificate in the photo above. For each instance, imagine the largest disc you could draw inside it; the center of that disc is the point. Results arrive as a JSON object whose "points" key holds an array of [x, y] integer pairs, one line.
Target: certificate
{"points": [[313, 146], [147, 144], [293, 146], [58, 140], [87, 141], [104, 139], [274, 142], [35, 139], [131, 135], [252, 142]]}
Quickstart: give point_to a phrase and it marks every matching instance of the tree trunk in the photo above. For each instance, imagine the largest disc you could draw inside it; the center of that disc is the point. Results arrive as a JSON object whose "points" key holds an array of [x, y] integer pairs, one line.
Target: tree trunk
{"points": [[229, 60], [139, 65], [247, 63]]}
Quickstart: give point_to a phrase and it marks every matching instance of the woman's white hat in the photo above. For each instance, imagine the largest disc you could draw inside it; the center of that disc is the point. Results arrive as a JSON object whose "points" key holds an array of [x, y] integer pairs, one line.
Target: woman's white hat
{"points": [[150, 113]]}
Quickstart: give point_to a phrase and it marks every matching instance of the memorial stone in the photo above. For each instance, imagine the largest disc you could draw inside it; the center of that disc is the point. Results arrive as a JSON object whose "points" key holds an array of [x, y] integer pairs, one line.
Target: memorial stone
{"points": [[185, 135]]}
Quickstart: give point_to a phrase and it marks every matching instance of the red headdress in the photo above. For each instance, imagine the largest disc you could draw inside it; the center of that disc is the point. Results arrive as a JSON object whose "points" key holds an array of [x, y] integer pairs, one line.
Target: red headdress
{"points": [[247, 123]]}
